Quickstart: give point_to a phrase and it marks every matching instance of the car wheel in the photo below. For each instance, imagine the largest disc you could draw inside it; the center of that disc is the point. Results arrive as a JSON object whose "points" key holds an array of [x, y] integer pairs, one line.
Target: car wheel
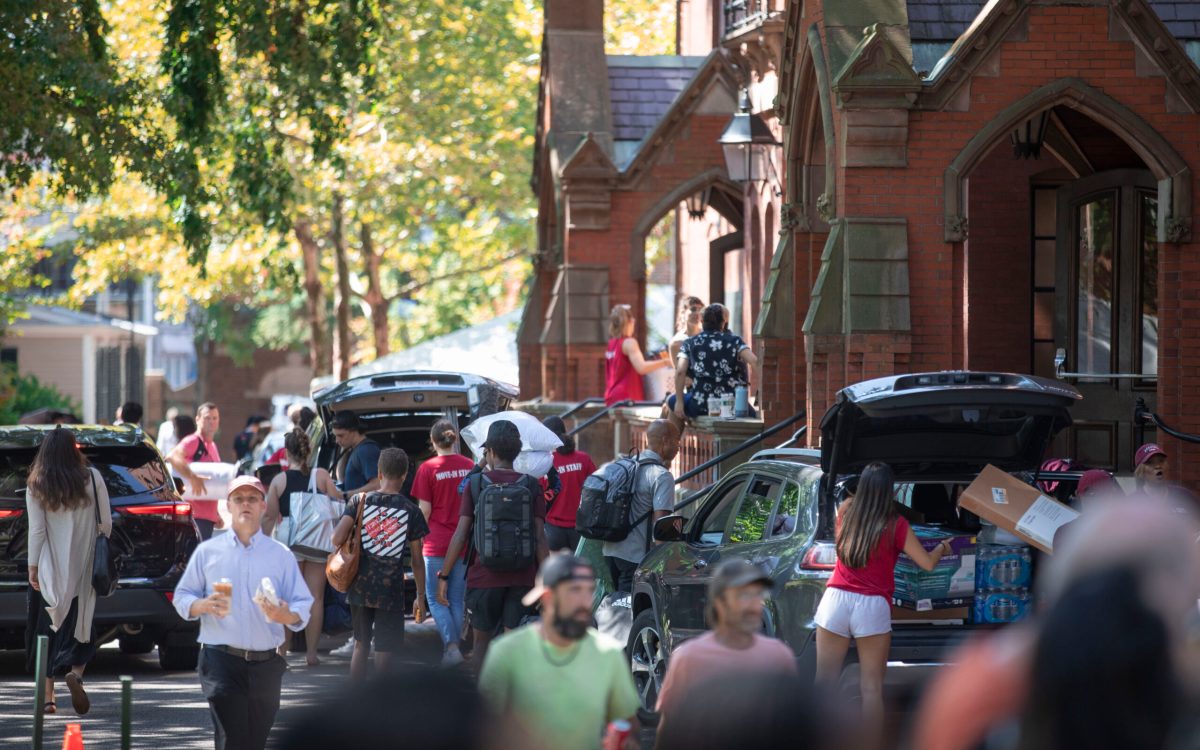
{"points": [[136, 645], [178, 658], [647, 659]]}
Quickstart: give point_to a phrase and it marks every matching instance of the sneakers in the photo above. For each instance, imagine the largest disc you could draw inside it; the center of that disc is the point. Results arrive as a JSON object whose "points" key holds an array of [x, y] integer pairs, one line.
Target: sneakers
{"points": [[344, 651], [451, 658]]}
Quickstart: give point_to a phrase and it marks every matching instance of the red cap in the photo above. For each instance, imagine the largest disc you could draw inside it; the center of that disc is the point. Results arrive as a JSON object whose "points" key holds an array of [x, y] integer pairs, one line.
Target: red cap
{"points": [[1095, 479], [246, 481], [1147, 452]]}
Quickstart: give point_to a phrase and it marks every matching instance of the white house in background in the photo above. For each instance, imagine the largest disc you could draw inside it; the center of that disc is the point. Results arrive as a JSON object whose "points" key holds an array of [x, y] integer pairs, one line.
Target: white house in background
{"points": [[96, 360]]}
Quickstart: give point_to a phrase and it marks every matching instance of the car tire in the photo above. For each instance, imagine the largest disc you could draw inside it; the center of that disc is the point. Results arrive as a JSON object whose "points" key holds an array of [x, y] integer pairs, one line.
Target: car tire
{"points": [[178, 658], [136, 645], [647, 660]]}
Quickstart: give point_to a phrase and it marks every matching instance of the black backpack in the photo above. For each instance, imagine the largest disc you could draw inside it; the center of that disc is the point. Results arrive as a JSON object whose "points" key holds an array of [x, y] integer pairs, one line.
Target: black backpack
{"points": [[503, 533], [606, 502]]}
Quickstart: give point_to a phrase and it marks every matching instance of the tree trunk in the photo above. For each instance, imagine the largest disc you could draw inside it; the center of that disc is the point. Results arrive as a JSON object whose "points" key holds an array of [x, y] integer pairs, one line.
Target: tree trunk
{"points": [[374, 297], [314, 298], [343, 346]]}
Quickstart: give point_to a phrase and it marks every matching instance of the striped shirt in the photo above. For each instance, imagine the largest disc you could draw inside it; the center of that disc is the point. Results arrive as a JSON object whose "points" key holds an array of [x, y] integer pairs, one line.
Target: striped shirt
{"points": [[389, 524]]}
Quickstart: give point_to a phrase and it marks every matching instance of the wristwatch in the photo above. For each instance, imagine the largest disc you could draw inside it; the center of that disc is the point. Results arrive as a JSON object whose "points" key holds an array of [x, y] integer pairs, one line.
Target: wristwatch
{"points": [[442, 576]]}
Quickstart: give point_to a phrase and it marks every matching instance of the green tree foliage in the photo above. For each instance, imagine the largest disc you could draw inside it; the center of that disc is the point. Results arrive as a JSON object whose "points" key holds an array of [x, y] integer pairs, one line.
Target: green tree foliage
{"points": [[21, 394]]}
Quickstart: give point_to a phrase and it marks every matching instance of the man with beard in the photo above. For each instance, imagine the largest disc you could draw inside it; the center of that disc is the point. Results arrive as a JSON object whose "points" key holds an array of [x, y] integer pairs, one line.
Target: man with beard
{"points": [[560, 677], [736, 594]]}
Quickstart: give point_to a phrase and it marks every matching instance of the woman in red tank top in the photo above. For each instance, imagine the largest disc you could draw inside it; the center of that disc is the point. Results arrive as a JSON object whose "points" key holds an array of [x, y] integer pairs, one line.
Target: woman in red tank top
{"points": [[857, 603], [624, 364]]}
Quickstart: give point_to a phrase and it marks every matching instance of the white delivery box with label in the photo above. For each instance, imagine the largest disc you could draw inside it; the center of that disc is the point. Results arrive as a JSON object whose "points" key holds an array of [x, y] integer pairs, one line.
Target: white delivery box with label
{"points": [[1013, 505], [211, 506]]}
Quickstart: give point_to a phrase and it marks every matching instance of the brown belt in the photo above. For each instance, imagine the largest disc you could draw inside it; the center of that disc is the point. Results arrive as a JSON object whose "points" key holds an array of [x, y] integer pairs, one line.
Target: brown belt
{"points": [[242, 653]]}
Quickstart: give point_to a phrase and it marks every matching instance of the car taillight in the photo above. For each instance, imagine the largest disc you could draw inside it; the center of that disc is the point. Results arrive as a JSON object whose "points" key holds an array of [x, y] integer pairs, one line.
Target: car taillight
{"points": [[172, 510], [820, 556], [14, 513]]}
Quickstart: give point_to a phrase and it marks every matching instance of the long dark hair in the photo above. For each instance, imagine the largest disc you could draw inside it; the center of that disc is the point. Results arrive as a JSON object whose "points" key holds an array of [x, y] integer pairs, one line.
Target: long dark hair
{"points": [[59, 476], [867, 517], [558, 427], [443, 434], [1102, 675], [296, 444]]}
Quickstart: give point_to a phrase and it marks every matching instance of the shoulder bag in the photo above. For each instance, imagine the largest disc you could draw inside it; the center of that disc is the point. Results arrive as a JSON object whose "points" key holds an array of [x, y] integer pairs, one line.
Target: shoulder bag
{"points": [[312, 517], [342, 566], [104, 562]]}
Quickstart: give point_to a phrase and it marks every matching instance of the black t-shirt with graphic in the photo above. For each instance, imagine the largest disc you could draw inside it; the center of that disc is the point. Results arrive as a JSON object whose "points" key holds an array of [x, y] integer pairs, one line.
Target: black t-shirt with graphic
{"points": [[713, 363], [389, 523]]}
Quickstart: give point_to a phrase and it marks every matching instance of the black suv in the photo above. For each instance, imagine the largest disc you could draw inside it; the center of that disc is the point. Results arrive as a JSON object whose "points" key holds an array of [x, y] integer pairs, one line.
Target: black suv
{"points": [[936, 430], [153, 536]]}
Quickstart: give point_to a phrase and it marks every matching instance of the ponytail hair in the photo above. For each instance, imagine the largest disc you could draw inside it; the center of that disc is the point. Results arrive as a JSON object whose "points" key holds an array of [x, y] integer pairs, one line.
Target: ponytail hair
{"points": [[297, 445], [559, 428], [442, 434]]}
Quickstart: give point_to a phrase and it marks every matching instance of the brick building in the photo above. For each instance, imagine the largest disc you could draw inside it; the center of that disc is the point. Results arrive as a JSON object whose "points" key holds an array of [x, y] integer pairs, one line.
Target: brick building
{"points": [[974, 186]]}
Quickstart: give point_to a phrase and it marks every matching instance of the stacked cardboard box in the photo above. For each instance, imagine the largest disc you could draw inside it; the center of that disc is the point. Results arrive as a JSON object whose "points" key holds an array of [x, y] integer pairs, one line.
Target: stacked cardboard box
{"points": [[1002, 578], [950, 585]]}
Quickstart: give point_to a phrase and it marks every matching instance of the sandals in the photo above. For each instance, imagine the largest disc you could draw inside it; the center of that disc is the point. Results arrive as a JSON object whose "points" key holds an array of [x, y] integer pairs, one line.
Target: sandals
{"points": [[79, 697], [50, 708]]}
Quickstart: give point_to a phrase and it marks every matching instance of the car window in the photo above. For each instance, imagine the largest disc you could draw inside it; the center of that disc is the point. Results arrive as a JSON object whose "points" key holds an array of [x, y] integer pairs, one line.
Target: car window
{"points": [[126, 470], [753, 515], [788, 515], [717, 512]]}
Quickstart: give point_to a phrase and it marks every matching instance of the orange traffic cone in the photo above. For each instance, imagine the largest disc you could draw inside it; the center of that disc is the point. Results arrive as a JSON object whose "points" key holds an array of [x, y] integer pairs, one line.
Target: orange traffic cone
{"points": [[73, 739]]}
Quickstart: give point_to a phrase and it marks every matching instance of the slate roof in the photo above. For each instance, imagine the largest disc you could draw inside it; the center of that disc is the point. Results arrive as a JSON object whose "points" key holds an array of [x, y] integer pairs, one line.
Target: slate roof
{"points": [[947, 20], [642, 89]]}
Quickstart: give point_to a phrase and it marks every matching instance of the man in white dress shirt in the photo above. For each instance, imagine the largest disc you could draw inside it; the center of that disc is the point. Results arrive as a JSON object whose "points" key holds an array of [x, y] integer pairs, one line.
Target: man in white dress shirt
{"points": [[240, 672]]}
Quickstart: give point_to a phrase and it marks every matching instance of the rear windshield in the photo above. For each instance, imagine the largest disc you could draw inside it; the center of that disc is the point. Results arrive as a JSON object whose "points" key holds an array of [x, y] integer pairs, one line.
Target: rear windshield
{"points": [[127, 471]]}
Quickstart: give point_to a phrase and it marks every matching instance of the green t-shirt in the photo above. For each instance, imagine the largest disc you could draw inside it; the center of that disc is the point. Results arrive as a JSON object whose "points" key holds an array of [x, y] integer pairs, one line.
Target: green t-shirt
{"points": [[567, 706]]}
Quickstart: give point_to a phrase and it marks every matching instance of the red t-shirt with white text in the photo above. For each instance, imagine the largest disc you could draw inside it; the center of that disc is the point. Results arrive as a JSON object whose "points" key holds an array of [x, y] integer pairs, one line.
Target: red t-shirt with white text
{"points": [[572, 469], [437, 483]]}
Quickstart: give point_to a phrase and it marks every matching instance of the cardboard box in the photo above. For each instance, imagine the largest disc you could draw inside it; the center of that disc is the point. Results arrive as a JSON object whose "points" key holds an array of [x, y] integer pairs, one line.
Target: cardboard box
{"points": [[996, 607], [956, 615], [932, 605], [1015, 506], [952, 581], [1002, 567]]}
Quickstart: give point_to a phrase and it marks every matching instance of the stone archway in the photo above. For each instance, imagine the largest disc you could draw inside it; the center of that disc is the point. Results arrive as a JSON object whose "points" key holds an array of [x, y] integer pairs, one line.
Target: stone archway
{"points": [[1168, 167], [715, 178]]}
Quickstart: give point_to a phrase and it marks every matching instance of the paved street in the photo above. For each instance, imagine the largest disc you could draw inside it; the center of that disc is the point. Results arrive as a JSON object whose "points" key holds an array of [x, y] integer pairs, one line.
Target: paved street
{"points": [[169, 711]]}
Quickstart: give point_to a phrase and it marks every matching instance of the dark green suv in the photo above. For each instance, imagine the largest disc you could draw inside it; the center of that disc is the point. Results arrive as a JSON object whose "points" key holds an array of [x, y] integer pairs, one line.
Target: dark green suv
{"points": [[936, 430]]}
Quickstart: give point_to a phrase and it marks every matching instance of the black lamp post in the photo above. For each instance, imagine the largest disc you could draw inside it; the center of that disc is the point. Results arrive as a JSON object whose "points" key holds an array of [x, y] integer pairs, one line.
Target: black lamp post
{"points": [[747, 143], [1027, 138], [697, 203]]}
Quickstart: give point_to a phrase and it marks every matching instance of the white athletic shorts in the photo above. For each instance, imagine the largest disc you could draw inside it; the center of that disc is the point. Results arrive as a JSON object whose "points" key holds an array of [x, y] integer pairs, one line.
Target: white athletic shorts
{"points": [[853, 615]]}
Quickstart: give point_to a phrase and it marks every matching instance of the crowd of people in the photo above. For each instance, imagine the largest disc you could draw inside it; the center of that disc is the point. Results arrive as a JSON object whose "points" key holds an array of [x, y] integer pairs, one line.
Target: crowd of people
{"points": [[708, 362], [491, 552]]}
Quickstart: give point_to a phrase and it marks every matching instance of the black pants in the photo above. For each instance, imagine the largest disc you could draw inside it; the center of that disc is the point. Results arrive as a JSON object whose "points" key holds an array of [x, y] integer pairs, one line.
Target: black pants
{"points": [[560, 537], [622, 573], [243, 697]]}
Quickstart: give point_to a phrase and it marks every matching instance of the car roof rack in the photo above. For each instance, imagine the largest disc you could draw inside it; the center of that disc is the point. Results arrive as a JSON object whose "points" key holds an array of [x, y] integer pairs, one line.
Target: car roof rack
{"points": [[799, 455]]}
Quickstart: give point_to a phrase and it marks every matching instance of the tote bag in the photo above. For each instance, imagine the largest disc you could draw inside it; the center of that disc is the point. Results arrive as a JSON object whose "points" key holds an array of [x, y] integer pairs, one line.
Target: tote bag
{"points": [[308, 528]]}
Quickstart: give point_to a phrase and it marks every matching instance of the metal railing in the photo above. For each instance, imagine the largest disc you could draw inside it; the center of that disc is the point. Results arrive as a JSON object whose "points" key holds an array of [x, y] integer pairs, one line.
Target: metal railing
{"points": [[604, 412], [580, 406], [753, 440], [1142, 415]]}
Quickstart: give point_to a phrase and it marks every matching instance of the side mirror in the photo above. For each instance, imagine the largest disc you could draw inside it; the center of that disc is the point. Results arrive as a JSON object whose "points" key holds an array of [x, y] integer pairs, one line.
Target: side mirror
{"points": [[668, 529]]}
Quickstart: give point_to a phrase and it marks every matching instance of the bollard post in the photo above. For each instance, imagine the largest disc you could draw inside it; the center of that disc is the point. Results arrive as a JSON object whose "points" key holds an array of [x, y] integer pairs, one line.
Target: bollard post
{"points": [[126, 710], [39, 690]]}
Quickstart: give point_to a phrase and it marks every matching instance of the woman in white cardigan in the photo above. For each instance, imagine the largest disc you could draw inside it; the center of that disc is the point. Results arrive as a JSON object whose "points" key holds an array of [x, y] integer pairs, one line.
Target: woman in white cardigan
{"points": [[63, 496]]}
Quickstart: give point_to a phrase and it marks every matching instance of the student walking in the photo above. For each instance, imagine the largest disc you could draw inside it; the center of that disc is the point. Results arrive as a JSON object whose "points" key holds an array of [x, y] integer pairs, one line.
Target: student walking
{"points": [[301, 477], [572, 466], [435, 489], [653, 497], [507, 548], [559, 677], [857, 603], [736, 595], [225, 587], [390, 523], [66, 502]]}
